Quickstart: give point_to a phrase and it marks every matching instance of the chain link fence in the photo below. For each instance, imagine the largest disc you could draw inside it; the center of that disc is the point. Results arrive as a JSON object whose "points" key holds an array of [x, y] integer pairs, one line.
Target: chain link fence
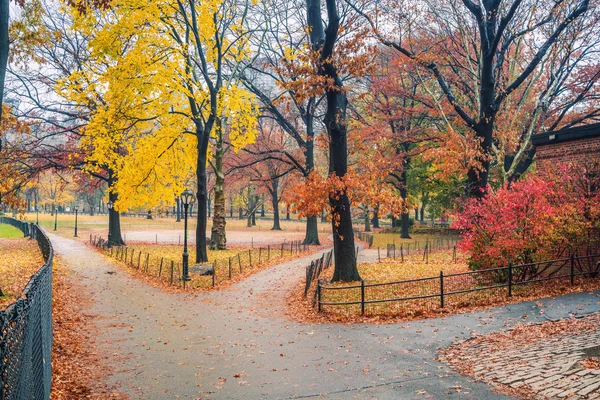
{"points": [[26, 329]]}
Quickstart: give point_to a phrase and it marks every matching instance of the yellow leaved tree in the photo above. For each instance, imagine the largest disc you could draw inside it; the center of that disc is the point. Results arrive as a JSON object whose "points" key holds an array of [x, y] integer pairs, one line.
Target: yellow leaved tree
{"points": [[167, 71]]}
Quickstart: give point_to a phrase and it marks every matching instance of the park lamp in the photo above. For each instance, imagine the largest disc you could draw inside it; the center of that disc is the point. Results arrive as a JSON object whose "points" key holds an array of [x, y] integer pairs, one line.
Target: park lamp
{"points": [[76, 210], [187, 198]]}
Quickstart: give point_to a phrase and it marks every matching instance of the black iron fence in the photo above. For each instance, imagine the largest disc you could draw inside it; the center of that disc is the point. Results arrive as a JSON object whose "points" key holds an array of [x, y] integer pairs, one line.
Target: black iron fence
{"points": [[313, 271], [170, 271], [472, 288], [26, 329]]}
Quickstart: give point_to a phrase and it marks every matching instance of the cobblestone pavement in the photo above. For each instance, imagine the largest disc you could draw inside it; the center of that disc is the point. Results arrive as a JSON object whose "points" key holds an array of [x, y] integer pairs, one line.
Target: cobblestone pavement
{"points": [[548, 369]]}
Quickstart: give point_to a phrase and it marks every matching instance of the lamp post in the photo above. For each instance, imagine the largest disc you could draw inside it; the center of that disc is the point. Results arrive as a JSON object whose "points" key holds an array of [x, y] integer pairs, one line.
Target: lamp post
{"points": [[187, 198], [55, 216], [109, 205], [76, 209]]}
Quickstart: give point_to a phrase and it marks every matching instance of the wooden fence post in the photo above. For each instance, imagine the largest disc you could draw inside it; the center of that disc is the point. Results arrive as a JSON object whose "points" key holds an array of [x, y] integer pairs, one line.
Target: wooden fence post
{"points": [[139, 259], [250, 257], [402, 252], [160, 268], [239, 262], [268, 252], [230, 267]]}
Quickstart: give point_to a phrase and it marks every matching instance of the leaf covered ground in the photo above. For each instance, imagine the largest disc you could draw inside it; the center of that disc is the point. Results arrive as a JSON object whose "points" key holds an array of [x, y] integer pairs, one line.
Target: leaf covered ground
{"points": [[21, 258]]}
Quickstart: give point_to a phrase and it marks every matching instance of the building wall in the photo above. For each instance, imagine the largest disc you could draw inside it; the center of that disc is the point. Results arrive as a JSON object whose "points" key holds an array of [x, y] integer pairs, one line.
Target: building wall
{"points": [[580, 151]]}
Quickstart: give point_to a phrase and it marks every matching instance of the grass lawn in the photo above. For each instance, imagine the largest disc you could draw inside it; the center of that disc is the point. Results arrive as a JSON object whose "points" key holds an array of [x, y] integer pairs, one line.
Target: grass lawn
{"points": [[243, 262], [21, 258], [9, 232], [419, 239]]}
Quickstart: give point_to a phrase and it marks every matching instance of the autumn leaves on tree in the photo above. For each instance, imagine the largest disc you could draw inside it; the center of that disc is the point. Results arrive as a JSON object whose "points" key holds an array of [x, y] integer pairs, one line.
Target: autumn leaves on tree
{"points": [[377, 108]]}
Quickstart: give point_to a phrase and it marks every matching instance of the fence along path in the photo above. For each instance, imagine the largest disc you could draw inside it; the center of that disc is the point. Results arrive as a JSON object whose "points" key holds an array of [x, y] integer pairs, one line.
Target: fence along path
{"points": [[170, 271], [465, 288], [26, 329]]}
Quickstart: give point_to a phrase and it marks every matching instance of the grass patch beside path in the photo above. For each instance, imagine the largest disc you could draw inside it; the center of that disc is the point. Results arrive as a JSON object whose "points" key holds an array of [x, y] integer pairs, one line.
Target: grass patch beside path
{"points": [[243, 261], [21, 258], [419, 239], [9, 232]]}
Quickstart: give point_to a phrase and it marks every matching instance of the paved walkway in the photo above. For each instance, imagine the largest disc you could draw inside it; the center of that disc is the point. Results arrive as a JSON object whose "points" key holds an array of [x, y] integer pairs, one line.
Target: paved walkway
{"points": [[237, 343]]}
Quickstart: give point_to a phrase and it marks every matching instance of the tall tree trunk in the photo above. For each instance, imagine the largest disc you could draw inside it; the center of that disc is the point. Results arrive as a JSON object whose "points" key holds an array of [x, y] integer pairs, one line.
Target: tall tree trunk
{"points": [[114, 218], [218, 239], [201, 193], [254, 218], [312, 227], [367, 221], [416, 213], [287, 213], [376, 217], [274, 191], [240, 213], [404, 217], [262, 210]]}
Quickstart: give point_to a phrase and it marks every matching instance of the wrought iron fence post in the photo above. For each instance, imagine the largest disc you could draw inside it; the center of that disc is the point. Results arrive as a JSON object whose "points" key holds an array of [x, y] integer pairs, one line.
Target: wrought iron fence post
{"points": [[510, 274], [572, 269], [362, 297], [318, 296], [442, 289]]}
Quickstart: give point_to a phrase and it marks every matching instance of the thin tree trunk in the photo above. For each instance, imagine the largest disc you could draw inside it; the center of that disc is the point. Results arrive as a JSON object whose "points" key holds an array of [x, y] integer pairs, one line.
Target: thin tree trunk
{"points": [[218, 240], [367, 221], [178, 210], [275, 203]]}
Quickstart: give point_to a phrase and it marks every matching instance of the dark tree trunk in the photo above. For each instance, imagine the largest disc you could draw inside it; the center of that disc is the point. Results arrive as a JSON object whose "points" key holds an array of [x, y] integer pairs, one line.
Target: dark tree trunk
{"points": [[404, 217], [422, 214], [367, 221], [312, 227], [254, 218], [275, 203], [287, 213], [208, 207], [202, 195], [230, 209], [240, 213], [323, 216], [375, 219], [114, 219], [178, 210], [416, 213], [262, 210]]}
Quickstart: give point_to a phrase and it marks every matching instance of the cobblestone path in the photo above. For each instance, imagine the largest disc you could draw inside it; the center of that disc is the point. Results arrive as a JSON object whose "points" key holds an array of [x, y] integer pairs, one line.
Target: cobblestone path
{"points": [[550, 368]]}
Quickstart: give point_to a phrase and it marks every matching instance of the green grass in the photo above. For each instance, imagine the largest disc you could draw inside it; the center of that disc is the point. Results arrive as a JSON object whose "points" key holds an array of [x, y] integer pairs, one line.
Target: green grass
{"points": [[9, 232]]}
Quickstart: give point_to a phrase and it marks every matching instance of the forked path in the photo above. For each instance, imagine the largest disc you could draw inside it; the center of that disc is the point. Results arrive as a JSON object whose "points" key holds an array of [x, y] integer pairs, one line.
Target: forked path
{"points": [[237, 343]]}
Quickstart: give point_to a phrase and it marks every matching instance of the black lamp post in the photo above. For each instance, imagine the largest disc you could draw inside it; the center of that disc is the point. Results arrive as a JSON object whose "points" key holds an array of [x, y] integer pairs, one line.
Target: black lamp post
{"points": [[37, 215], [109, 205], [187, 198], [55, 216], [76, 209]]}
